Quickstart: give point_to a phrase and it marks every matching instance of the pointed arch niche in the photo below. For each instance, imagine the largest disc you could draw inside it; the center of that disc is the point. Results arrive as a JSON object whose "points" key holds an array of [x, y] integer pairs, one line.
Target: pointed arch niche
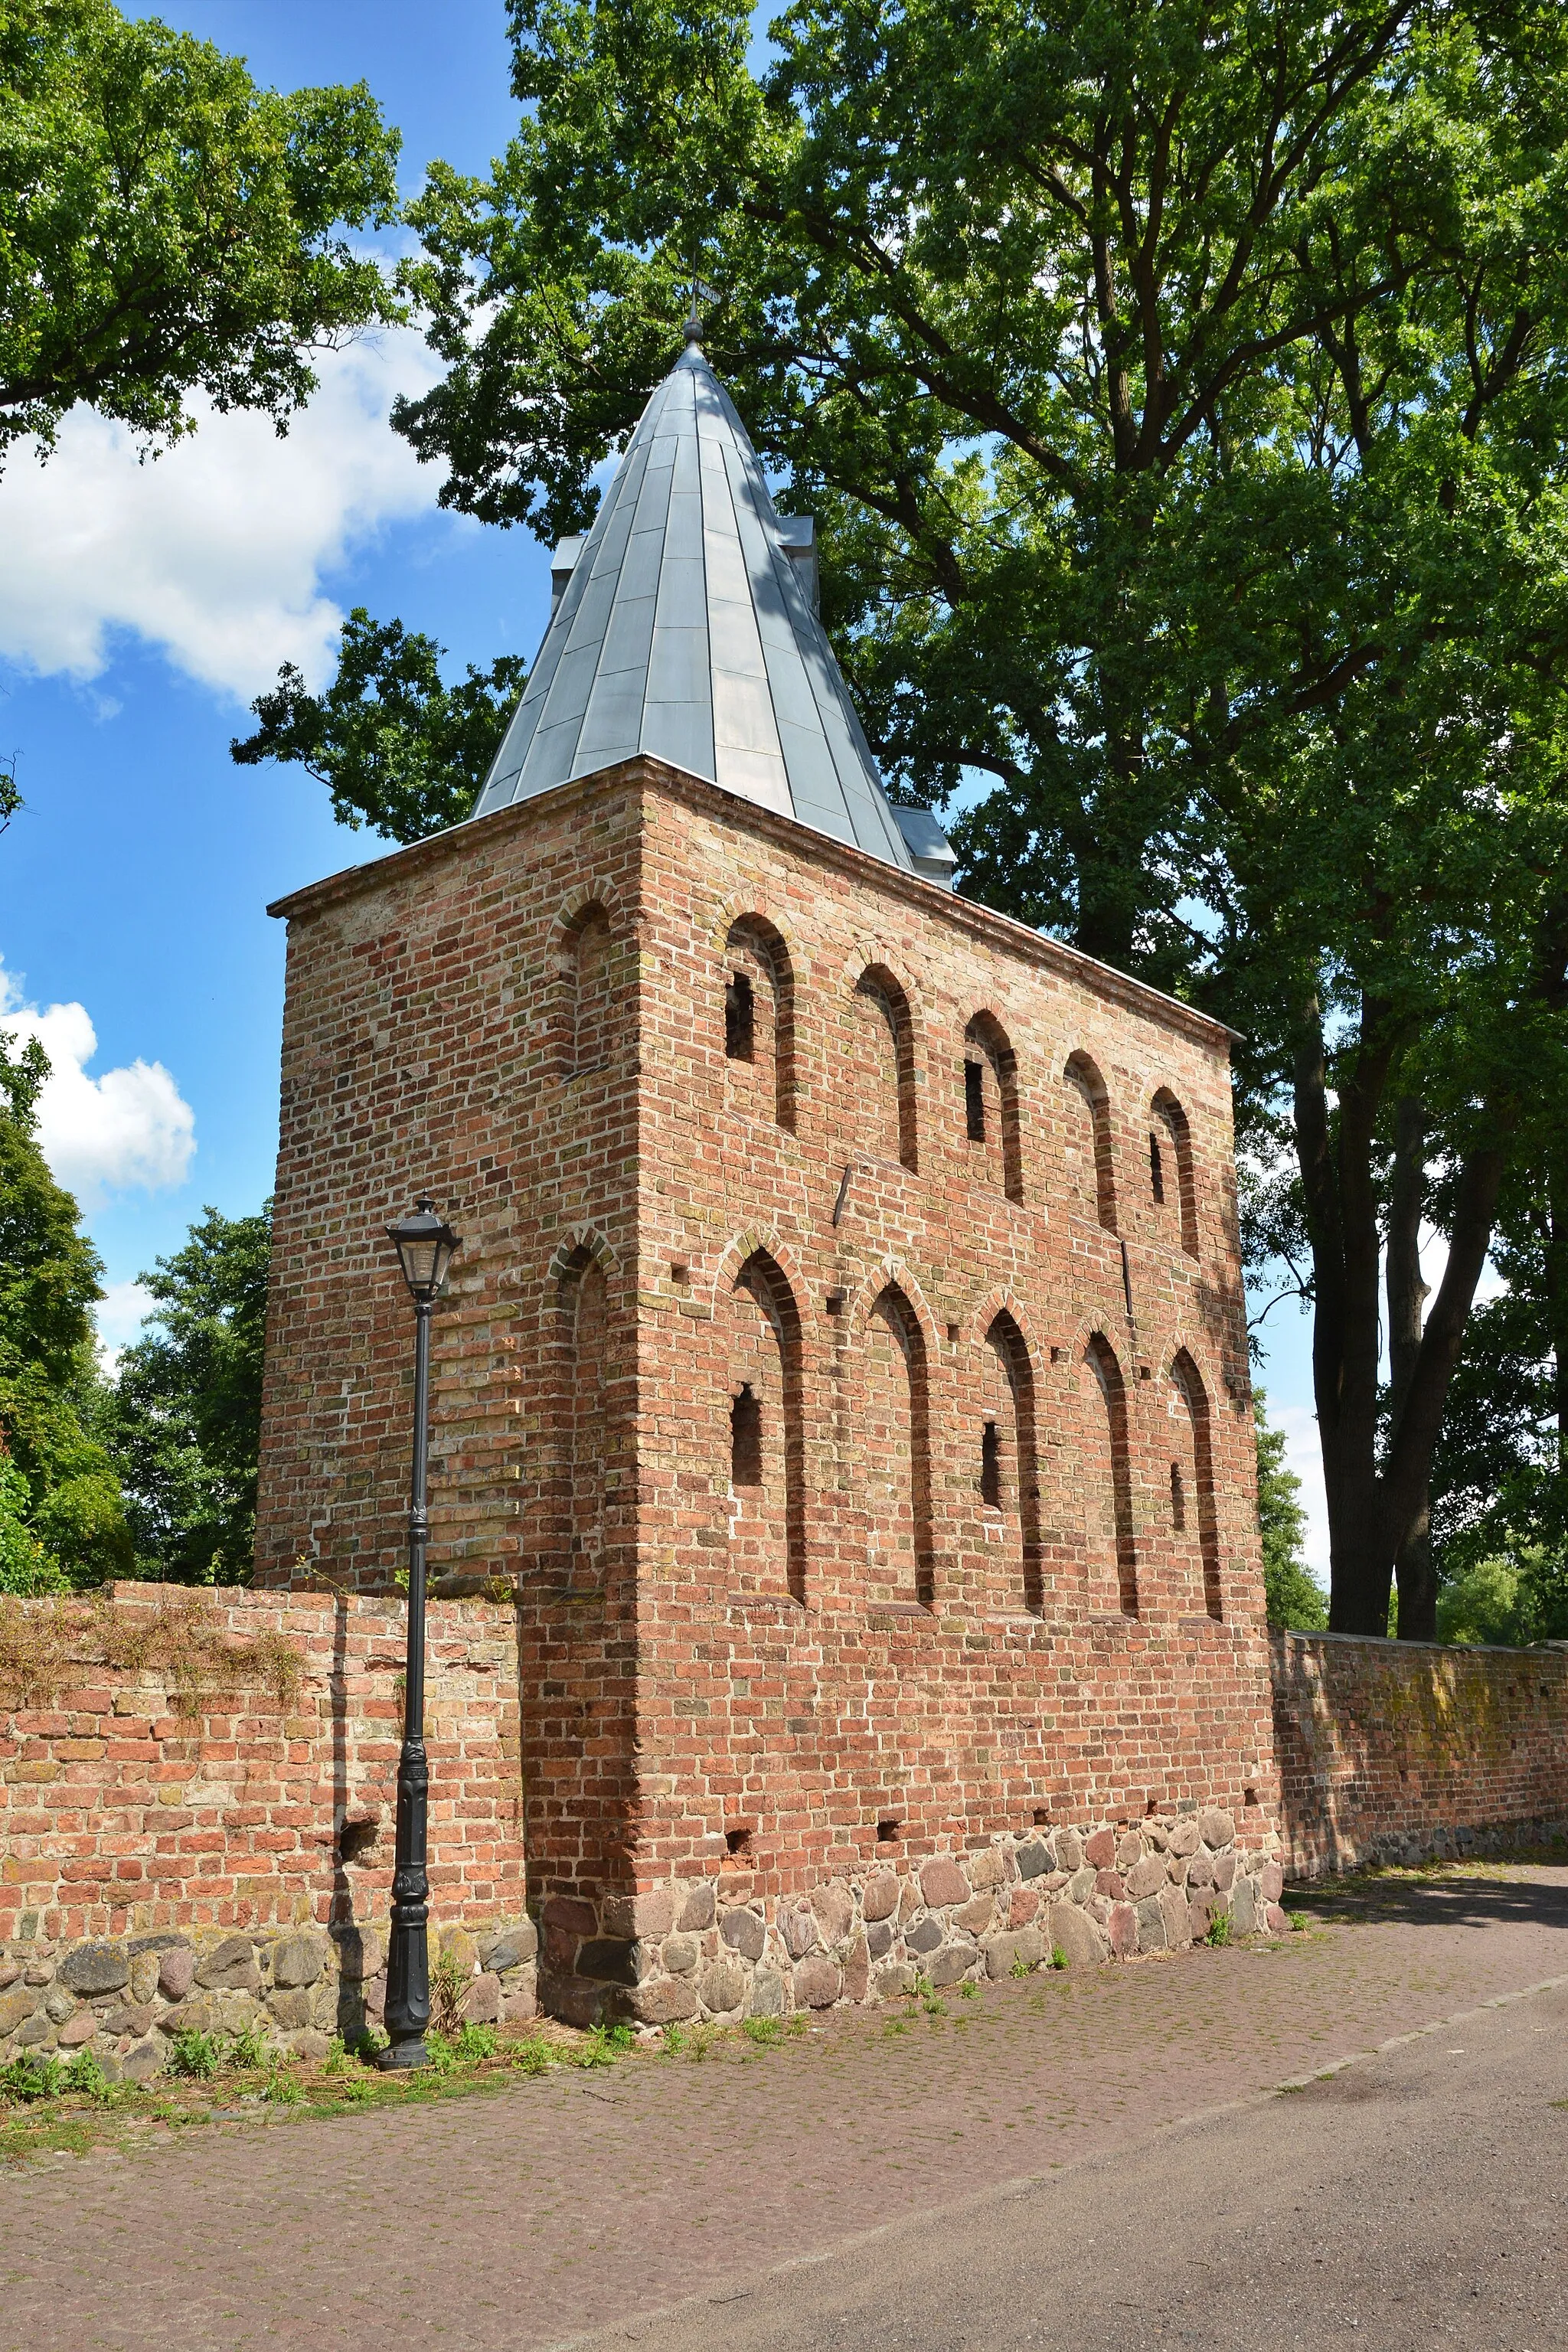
{"points": [[1106, 1478], [1171, 1178], [882, 1081], [764, 1435], [759, 1020], [1092, 1173], [589, 1023], [895, 1435], [1007, 1460], [582, 1419], [991, 1106], [1194, 1529]]}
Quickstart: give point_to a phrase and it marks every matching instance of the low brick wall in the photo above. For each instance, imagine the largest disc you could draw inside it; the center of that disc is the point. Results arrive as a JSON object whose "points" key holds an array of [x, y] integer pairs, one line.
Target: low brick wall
{"points": [[1408, 1751], [196, 1800]]}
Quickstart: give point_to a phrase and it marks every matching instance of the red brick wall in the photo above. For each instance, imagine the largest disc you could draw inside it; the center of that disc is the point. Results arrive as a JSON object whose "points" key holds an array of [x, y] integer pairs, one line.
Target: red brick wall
{"points": [[120, 1815], [676, 1687], [1399, 1751]]}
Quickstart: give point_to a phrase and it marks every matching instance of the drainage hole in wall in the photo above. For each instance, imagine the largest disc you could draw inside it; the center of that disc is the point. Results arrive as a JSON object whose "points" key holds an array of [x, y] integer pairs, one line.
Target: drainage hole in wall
{"points": [[1042, 1817], [738, 1841], [356, 1841], [888, 1832]]}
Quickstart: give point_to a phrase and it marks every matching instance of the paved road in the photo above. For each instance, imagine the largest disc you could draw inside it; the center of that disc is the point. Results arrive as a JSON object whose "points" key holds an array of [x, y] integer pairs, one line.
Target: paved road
{"points": [[1414, 2199], [1058, 2161]]}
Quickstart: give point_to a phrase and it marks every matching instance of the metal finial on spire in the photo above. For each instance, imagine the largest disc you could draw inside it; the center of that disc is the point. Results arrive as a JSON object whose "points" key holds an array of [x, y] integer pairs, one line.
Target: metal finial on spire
{"points": [[694, 327]]}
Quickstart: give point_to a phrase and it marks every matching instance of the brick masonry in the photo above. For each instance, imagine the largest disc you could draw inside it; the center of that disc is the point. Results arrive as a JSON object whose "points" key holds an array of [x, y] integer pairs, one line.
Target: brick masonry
{"points": [[1404, 1751], [841, 1399], [164, 1871], [845, 1364], [200, 1849]]}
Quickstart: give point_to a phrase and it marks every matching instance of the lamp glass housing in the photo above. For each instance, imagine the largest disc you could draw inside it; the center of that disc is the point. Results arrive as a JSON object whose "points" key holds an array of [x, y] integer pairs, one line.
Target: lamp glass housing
{"points": [[426, 1248]]}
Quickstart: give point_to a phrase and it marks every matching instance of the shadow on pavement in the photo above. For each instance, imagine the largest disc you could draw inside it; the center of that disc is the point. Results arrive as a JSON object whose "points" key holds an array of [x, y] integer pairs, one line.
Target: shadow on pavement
{"points": [[1523, 1892]]}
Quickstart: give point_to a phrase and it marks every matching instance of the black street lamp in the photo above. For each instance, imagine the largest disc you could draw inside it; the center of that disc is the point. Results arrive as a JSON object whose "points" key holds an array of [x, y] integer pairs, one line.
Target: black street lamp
{"points": [[425, 1248]]}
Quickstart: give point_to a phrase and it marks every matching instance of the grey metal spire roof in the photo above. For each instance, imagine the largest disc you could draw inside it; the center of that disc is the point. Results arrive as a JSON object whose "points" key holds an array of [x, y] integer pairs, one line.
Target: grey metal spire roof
{"points": [[683, 627]]}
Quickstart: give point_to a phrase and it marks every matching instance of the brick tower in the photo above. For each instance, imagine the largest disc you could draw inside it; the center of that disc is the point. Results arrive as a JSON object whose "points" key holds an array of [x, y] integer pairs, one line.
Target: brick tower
{"points": [[846, 1365]]}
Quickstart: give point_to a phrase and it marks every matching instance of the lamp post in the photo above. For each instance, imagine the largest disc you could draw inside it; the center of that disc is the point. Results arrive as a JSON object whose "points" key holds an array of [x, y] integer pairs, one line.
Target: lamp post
{"points": [[425, 1248]]}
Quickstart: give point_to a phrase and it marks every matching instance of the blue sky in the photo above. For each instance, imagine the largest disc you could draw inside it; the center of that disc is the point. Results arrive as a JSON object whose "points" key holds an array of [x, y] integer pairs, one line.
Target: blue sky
{"points": [[142, 608]]}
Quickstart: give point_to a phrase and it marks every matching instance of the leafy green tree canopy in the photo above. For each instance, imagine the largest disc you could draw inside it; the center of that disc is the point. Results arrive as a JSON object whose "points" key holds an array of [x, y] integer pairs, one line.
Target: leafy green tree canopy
{"points": [[396, 749], [48, 1269], [1293, 1597], [183, 1422], [1184, 395], [61, 1514], [166, 227]]}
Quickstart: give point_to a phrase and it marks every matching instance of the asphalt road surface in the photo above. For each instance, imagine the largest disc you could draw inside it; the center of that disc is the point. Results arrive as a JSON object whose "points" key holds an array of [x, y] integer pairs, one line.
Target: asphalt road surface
{"points": [[1411, 2199]]}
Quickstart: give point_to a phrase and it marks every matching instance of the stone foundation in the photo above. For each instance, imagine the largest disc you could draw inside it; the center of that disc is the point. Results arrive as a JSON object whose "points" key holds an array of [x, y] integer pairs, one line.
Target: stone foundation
{"points": [[124, 2000], [707, 1949]]}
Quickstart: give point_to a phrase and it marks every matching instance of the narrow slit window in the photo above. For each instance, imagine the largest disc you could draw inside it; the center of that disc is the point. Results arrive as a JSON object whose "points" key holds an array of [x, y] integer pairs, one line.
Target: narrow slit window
{"points": [[746, 1440], [990, 1466], [1178, 1499], [739, 1018], [1156, 1172], [974, 1101]]}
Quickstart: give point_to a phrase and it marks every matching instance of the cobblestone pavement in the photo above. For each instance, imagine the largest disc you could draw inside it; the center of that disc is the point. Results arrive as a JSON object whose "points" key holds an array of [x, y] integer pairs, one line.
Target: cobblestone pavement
{"points": [[561, 2205]]}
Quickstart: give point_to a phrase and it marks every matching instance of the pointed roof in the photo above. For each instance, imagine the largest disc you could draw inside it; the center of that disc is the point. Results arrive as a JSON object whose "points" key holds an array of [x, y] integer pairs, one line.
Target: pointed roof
{"points": [[683, 627]]}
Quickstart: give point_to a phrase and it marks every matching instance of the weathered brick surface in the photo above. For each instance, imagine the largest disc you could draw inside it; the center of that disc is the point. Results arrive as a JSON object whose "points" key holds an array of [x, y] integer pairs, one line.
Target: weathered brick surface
{"points": [[895, 1624], [207, 1856], [1397, 1751], [120, 1815]]}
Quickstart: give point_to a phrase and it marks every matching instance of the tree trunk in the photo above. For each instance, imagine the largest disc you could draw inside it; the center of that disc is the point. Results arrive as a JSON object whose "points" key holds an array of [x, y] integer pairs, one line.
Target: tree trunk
{"points": [[1341, 1196], [1554, 1257], [1376, 1518], [1408, 1297]]}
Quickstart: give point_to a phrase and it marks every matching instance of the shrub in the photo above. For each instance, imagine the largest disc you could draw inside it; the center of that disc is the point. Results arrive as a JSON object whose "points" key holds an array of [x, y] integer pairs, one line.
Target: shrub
{"points": [[88, 2078], [250, 2046], [450, 1983], [194, 2053], [32, 2077]]}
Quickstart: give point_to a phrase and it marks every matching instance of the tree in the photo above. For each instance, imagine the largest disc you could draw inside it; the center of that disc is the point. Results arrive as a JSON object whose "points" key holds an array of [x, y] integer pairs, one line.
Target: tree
{"points": [[396, 747], [1181, 392], [61, 1515], [1292, 1595], [184, 1423], [167, 228], [1499, 1487]]}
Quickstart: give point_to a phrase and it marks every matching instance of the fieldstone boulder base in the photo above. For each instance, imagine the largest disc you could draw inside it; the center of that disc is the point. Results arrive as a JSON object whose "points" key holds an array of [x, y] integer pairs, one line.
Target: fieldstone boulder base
{"points": [[97, 1969]]}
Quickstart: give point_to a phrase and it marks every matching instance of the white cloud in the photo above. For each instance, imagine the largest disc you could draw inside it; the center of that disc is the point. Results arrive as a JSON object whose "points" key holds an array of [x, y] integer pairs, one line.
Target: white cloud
{"points": [[1304, 1455], [214, 551], [131, 1127]]}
